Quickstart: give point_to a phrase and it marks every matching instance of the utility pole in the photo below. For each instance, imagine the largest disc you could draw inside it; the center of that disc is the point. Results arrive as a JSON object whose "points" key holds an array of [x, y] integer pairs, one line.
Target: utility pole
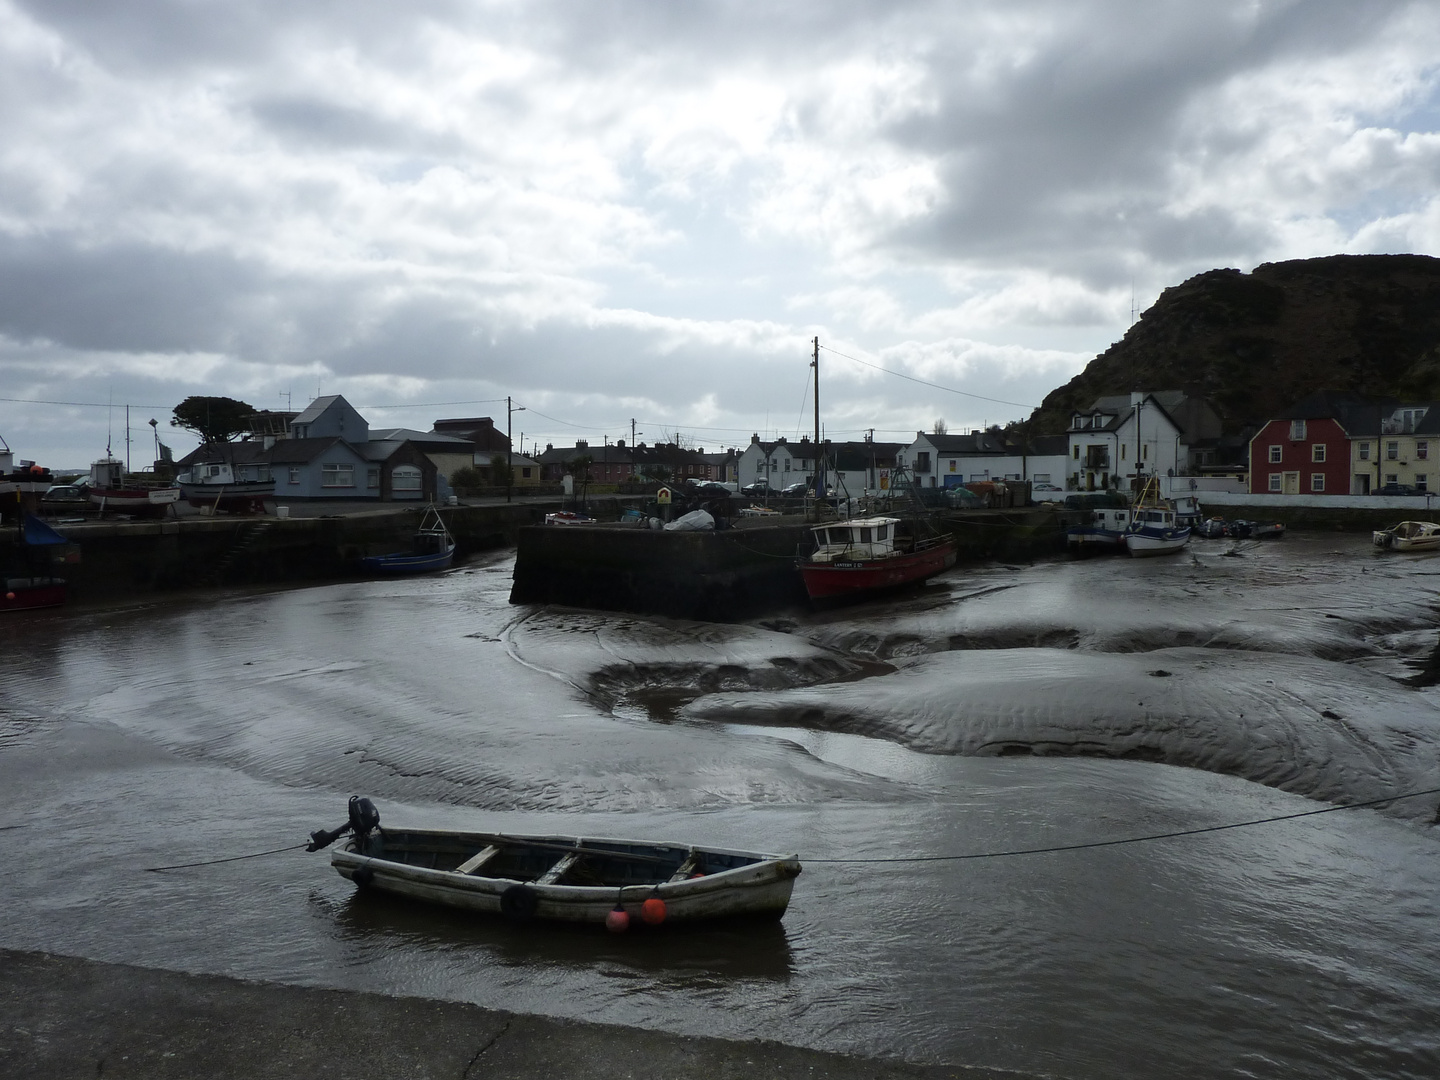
{"points": [[819, 459], [632, 433], [510, 410]]}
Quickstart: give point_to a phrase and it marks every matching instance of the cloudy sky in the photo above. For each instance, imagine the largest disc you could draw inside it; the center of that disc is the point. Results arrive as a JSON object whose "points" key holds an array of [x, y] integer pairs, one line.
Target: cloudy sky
{"points": [[617, 210]]}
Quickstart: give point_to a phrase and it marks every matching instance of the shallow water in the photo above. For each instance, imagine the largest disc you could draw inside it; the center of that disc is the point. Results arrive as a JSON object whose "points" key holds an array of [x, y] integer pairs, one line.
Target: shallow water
{"points": [[174, 733]]}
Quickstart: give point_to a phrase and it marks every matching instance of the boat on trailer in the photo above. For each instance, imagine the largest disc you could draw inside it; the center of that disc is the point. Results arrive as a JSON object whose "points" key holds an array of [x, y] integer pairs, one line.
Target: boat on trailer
{"points": [[867, 554], [431, 548], [1408, 536], [570, 879]]}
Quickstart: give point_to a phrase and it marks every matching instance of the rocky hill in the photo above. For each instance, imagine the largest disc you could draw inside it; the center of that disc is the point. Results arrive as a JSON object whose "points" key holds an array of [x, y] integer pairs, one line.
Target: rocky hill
{"points": [[1254, 343]]}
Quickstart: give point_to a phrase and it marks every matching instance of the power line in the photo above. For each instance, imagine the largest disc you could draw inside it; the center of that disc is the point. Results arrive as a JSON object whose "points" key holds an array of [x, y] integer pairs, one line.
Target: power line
{"points": [[1135, 839], [937, 386]]}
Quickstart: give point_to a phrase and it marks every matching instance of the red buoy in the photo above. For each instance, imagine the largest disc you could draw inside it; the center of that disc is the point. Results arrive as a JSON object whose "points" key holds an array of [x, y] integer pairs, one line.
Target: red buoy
{"points": [[617, 922], [9, 596], [653, 911]]}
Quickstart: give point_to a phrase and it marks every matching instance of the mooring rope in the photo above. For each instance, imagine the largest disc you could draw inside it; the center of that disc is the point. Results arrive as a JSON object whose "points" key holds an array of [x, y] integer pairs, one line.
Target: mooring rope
{"points": [[232, 858], [1134, 839]]}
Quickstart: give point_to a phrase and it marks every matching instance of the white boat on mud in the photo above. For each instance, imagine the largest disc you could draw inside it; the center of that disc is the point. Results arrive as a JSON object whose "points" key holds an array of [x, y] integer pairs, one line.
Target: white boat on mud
{"points": [[1408, 536], [560, 878], [1154, 528]]}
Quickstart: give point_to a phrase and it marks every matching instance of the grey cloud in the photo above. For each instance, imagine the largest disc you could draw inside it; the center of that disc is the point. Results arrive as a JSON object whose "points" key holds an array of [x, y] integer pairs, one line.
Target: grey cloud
{"points": [[126, 297]]}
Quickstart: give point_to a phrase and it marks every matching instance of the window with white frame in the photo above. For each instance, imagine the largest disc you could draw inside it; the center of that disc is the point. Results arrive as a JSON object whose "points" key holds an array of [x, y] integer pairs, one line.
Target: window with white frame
{"points": [[1422, 449], [405, 478], [1392, 451], [1317, 452], [1297, 430], [1392, 478], [294, 474], [1422, 482], [1317, 481], [1364, 451], [372, 477], [1276, 455], [1276, 481], [337, 476]]}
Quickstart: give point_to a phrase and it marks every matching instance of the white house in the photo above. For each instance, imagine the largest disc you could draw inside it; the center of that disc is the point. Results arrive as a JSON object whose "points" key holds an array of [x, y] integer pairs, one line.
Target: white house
{"points": [[954, 460], [1127, 436]]}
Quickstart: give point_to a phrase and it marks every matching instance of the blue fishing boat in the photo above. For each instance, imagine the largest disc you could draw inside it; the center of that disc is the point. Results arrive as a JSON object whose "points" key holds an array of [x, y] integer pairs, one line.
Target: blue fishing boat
{"points": [[432, 548]]}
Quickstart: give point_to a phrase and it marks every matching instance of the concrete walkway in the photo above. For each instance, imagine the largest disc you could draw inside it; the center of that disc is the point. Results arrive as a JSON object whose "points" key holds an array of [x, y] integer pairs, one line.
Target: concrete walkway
{"points": [[62, 1017]]}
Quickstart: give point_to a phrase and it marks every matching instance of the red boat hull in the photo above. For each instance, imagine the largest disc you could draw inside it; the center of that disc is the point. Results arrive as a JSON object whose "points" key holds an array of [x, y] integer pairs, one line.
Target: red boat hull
{"points": [[18, 597], [824, 581]]}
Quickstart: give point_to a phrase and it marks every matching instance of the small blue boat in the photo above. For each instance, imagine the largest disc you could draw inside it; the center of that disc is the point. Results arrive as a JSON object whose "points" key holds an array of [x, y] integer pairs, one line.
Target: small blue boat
{"points": [[432, 548]]}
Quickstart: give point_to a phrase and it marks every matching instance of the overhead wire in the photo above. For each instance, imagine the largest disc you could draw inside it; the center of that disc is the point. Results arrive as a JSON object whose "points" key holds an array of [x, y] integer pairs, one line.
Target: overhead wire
{"points": [[926, 382]]}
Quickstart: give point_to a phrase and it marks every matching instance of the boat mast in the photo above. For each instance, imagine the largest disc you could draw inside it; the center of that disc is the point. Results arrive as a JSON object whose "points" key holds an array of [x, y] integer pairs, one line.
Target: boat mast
{"points": [[819, 459]]}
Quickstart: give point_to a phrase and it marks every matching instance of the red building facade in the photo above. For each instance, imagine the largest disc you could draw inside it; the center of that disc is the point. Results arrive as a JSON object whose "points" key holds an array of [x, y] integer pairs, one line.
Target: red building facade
{"points": [[1300, 457]]}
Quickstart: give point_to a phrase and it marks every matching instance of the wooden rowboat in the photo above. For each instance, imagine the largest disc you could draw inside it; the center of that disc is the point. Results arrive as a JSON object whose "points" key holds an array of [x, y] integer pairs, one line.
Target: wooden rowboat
{"points": [[560, 878]]}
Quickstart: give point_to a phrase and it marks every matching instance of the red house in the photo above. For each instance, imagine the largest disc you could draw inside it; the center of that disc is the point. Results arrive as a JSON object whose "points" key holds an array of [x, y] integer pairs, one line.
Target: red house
{"points": [[1306, 449]]}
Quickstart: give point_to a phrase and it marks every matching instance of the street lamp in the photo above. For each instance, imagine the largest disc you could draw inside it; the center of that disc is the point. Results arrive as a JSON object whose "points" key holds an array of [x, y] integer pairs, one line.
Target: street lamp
{"points": [[510, 410]]}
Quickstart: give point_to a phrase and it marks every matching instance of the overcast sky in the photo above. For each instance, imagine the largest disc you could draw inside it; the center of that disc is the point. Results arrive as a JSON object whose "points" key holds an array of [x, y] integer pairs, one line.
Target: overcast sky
{"points": [[617, 210]]}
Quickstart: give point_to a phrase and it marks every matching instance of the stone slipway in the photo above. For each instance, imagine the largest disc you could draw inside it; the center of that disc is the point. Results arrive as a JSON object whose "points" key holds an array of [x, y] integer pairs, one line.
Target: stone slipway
{"points": [[63, 1017]]}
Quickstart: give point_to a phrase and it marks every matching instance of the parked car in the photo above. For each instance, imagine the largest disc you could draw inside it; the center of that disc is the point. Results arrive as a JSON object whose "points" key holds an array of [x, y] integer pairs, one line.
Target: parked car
{"points": [[795, 489], [1044, 487], [709, 489], [757, 490], [65, 493], [1398, 489]]}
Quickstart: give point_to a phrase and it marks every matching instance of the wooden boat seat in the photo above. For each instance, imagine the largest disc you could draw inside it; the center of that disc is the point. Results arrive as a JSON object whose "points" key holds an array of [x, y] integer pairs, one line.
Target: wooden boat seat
{"points": [[476, 861], [686, 868], [559, 870]]}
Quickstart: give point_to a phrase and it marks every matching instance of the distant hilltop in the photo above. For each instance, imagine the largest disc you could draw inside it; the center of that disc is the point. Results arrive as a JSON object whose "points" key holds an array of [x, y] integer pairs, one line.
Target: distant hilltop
{"points": [[1252, 344]]}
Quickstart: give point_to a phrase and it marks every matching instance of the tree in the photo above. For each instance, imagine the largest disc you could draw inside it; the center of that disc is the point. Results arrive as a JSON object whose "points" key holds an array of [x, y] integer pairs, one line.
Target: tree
{"points": [[214, 419], [500, 471], [941, 427]]}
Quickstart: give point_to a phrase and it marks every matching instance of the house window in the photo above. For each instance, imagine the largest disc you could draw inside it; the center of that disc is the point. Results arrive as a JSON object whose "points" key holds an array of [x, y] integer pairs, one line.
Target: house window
{"points": [[1422, 449], [1317, 452], [372, 478], [1421, 482], [1364, 451], [1275, 456], [524, 474], [1317, 481], [1297, 430], [337, 476], [1123, 448], [1392, 451], [1041, 478], [1392, 478], [1075, 451], [1275, 481], [952, 464], [405, 478], [294, 474]]}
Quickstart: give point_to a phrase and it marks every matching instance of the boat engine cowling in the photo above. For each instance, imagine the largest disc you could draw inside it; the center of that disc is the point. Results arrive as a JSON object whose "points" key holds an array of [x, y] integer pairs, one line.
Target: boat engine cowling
{"points": [[363, 816]]}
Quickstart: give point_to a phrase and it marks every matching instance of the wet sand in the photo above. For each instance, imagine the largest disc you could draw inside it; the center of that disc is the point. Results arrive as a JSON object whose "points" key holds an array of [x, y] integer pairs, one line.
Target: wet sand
{"points": [[999, 708]]}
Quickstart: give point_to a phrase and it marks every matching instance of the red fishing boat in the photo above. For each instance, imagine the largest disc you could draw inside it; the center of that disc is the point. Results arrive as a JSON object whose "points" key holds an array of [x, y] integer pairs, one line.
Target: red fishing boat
{"points": [[866, 555], [28, 578], [112, 488]]}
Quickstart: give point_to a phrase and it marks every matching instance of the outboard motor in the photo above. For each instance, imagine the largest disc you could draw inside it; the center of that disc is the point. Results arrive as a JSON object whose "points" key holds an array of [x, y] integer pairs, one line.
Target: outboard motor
{"points": [[363, 818]]}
